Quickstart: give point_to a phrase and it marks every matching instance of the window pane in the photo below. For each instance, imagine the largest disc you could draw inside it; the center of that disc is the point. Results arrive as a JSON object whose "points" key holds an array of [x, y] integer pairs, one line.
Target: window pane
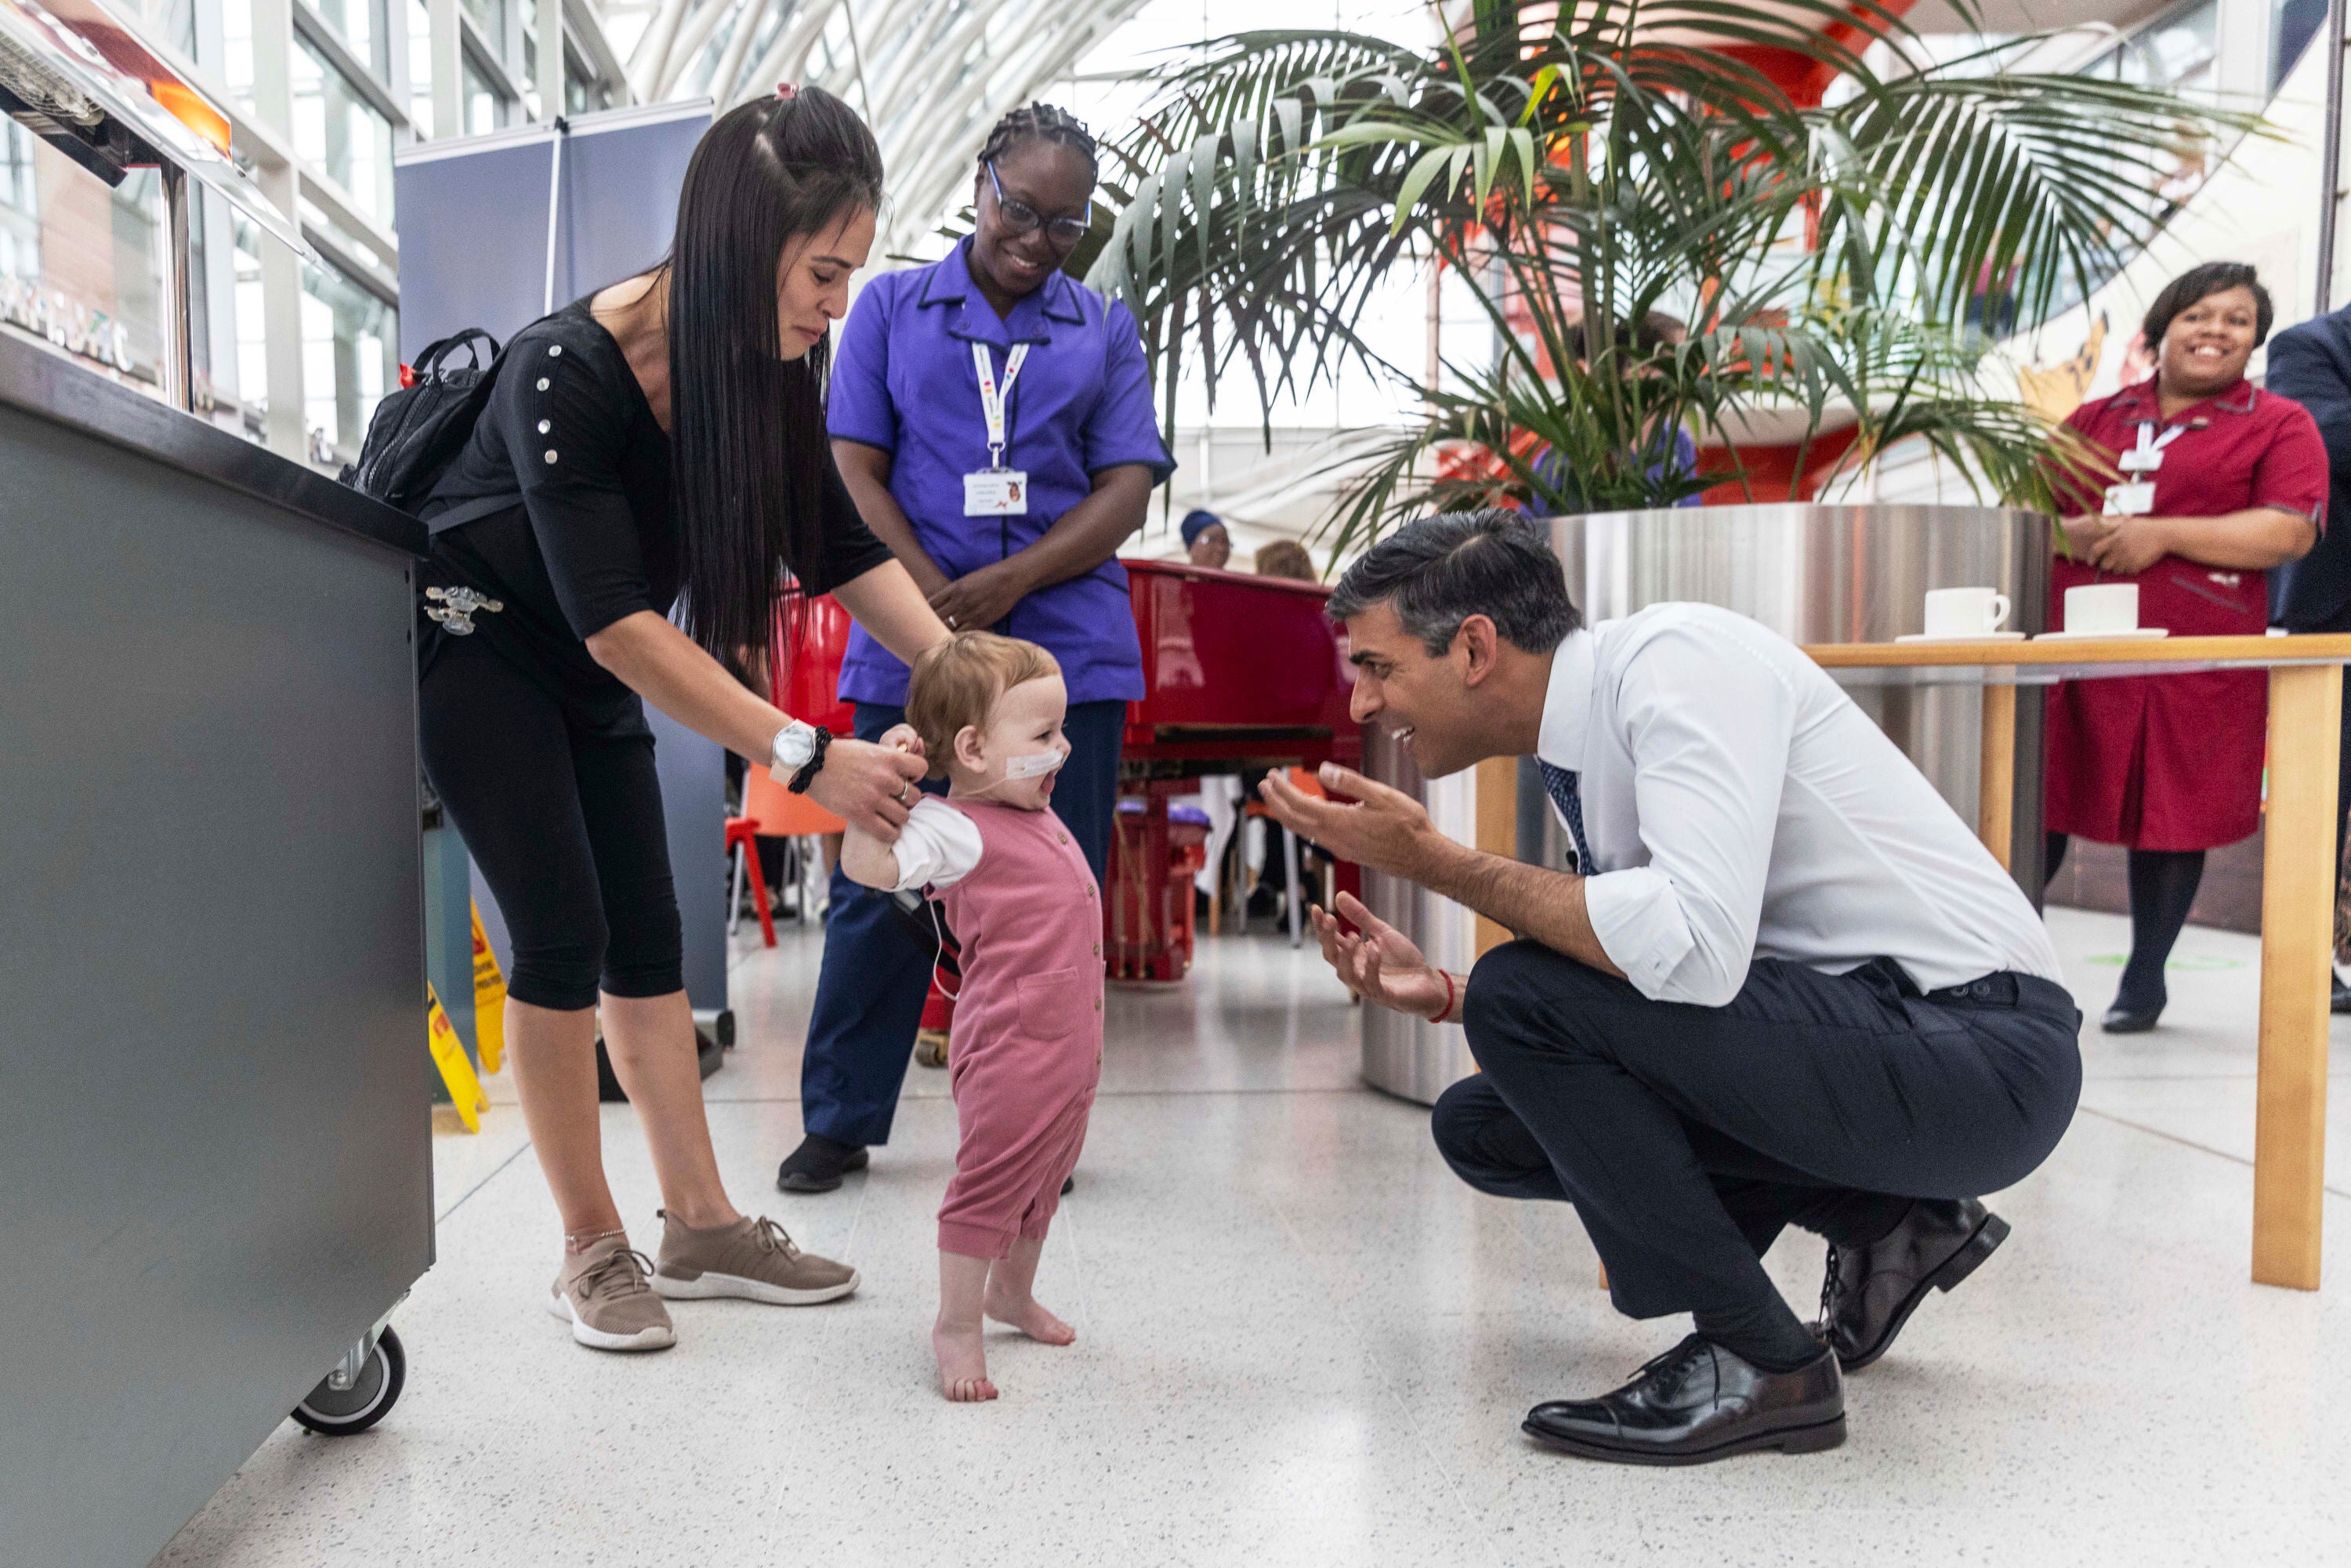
{"points": [[486, 109], [2177, 51], [342, 132], [363, 26], [349, 340], [237, 50], [176, 20], [252, 329], [81, 265], [420, 71], [490, 17], [2293, 24]]}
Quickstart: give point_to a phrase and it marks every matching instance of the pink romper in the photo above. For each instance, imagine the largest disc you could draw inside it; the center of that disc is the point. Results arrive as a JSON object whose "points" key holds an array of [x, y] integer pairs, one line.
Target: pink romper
{"points": [[1027, 1049]]}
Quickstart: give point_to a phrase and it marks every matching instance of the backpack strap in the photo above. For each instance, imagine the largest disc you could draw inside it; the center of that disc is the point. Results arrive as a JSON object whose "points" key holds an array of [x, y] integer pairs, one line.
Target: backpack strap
{"points": [[429, 361], [468, 511]]}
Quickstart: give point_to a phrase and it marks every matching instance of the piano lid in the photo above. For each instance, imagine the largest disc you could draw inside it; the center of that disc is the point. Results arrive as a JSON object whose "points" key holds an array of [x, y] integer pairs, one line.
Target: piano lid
{"points": [[82, 75]]}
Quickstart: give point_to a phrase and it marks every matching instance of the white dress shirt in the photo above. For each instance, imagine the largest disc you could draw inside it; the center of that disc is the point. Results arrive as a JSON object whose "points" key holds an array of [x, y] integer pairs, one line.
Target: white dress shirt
{"points": [[1739, 806], [937, 847]]}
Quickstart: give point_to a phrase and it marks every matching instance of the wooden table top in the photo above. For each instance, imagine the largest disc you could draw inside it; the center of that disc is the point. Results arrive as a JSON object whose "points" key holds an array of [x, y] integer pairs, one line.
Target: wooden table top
{"points": [[2245, 652]]}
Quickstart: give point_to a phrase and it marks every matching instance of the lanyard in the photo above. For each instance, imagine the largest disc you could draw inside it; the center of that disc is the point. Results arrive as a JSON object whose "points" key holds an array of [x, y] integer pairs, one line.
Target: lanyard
{"points": [[2148, 454], [993, 398]]}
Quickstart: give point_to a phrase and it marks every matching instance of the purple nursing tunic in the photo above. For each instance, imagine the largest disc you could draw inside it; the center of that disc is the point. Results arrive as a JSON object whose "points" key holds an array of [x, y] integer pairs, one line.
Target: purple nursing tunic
{"points": [[904, 382]]}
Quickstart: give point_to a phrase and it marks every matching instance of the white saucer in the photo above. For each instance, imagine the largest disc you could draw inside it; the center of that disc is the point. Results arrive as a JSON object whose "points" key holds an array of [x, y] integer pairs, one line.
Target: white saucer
{"points": [[1978, 637], [2136, 635]]}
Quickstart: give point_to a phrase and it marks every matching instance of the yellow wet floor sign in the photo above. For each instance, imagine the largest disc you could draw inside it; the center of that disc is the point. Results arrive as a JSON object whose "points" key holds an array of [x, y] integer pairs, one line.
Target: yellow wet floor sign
{"points": [[457, 1073], [489, 1000]]}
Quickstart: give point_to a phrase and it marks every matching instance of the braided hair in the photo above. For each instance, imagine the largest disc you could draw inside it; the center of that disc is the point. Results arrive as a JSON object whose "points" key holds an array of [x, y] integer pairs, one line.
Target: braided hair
{"points": [[1039, 123]]}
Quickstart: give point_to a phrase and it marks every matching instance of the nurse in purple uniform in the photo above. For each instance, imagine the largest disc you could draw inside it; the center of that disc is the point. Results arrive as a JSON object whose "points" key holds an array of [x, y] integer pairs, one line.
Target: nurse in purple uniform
{"points": [[993, 418]]}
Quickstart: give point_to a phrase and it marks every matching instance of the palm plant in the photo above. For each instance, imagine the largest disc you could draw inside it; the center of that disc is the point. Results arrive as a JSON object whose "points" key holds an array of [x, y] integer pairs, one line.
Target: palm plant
{"points": [[1588, 168]]}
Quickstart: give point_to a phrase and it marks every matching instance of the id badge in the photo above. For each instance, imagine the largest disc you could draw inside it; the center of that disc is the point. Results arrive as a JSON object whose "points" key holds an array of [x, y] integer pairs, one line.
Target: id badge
{"points": [[2136, 499], [996, 493]]}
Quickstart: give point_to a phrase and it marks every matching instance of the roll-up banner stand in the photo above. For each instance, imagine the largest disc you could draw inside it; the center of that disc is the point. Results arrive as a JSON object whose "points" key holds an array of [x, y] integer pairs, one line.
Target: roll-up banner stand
{"points": [[496, 230]]}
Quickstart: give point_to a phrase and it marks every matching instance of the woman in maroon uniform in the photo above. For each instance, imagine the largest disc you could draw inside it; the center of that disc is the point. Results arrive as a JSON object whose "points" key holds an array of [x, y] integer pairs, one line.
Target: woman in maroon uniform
{"points": [[2220, 482]]}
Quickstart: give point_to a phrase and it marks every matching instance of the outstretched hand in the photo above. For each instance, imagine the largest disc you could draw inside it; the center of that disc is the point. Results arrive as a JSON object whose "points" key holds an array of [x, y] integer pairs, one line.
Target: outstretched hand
{"points": [[1379, 963], [1361, 821]]}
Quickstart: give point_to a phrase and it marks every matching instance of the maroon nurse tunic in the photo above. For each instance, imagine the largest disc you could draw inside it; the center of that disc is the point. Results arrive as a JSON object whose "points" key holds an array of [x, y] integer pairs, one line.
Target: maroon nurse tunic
{"points": [[2174, 762]]}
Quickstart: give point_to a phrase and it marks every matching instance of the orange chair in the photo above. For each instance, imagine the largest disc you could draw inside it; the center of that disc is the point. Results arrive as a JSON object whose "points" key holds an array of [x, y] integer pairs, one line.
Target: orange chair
{"points": [[773, 812]]}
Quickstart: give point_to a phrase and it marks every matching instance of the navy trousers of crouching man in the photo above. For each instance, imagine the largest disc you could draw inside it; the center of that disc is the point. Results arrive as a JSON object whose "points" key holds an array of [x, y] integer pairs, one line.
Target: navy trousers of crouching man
{"points": [[1689, 1137]]}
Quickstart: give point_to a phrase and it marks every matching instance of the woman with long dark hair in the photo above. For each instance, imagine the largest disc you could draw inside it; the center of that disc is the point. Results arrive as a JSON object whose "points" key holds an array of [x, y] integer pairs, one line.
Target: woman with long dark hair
{"points": [[667, 439], [992, 417]]}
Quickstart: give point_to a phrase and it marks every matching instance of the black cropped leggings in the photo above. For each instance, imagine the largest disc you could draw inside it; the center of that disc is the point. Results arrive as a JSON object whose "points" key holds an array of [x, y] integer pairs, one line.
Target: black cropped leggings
{"points": [[566, 824]]}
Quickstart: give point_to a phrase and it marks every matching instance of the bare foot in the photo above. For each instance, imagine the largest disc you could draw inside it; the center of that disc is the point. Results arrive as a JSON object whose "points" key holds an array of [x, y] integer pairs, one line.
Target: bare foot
{"points": [[963, 1364], [1022, 1313]]}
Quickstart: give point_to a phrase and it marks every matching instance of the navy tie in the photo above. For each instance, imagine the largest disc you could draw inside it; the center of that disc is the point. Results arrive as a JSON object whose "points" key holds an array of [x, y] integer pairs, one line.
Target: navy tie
{"points": [[1560, 785]]}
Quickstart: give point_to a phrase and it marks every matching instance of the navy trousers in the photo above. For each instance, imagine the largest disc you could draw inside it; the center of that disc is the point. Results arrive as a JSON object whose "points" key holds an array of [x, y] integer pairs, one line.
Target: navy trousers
{"points": [[1687, 1137], [869, 993]]}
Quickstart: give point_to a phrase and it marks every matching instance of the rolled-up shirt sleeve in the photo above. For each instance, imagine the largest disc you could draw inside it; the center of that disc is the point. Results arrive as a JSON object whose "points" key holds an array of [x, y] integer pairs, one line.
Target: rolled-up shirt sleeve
{"points": [[1709, 741], [938, 847]]}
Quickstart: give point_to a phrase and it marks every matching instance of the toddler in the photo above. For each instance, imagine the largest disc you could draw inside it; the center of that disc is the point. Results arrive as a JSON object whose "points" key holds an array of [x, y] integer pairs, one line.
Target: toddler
{"points": [[1027, 1049]]}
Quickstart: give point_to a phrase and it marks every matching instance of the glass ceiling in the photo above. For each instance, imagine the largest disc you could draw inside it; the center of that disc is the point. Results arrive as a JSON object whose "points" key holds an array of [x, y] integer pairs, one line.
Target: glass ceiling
{"points": [[930, 76]]}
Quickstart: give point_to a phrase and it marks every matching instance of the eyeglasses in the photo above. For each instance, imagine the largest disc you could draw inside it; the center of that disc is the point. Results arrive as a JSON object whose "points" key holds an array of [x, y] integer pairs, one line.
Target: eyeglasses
{"points": [[1020, 218]]}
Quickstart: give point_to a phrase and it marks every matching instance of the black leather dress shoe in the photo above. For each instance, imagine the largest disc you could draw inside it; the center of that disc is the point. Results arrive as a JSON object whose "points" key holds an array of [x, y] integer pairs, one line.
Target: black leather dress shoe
{"points": [[1699, 1403], [1871, 1291], [819, 1163], [2126, 1017]]}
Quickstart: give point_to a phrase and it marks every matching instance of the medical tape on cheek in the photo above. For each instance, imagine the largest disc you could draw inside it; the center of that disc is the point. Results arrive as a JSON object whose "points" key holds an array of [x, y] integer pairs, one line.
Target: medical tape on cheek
{"points": [[1035, 764]]}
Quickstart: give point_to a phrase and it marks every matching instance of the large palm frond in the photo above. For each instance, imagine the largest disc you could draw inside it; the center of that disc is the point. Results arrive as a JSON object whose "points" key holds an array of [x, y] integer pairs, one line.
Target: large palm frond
{"points": [[1628, 158]]}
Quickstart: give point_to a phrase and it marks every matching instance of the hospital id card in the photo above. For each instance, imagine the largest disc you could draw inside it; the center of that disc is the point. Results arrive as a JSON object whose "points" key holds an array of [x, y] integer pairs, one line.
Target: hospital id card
{"points": [[2136, 499], [996, 493]]}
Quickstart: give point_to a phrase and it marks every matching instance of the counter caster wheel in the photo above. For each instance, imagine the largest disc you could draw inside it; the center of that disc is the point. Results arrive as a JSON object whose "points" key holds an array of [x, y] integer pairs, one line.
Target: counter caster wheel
{"points": [[334, 1412]]}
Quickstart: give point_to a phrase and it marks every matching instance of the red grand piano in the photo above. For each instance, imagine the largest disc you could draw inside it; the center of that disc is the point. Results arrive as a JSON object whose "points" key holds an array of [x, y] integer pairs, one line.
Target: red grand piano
{"points": [[1239, 672]]}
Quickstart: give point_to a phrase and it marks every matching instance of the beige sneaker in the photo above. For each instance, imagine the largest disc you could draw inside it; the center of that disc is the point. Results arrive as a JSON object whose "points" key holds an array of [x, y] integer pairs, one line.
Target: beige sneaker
{"points": [[752, 1258], [601, 1293]]}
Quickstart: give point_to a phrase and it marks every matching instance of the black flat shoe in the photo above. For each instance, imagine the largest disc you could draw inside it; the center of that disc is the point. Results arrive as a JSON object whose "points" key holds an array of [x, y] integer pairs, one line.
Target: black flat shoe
{"points": [[819, 1163], [2126, 1019], [1871, 1291], [2339, 1000], [1699, 1403]]}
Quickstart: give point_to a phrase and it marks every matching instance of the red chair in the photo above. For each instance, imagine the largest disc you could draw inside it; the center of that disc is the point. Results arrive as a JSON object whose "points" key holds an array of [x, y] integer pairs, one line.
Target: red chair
{"points": [[742, 843]]}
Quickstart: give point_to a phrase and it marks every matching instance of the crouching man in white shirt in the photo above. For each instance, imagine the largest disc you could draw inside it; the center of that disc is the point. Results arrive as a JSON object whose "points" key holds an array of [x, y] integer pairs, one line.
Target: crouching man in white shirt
{"points": [[1783, 984]]}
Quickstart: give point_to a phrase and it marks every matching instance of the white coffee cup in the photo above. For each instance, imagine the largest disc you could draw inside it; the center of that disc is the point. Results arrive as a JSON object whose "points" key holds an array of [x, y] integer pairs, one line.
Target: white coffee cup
{"points": [[2102, 607], [1964, 612]]}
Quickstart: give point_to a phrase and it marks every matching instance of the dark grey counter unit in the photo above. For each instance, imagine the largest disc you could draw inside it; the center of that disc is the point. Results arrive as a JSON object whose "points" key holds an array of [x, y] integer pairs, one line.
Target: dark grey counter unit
{"points": [[215, 1159]]}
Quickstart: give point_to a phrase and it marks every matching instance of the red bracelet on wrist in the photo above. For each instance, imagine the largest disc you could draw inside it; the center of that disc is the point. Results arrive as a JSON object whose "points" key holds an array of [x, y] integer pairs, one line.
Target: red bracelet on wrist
{"points": [[1447, 1010]]}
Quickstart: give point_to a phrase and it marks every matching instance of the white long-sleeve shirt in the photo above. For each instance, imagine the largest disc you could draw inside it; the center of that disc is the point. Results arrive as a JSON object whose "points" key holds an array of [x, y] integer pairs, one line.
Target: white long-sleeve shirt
{"points": [[1739, 806], [937, 847]]}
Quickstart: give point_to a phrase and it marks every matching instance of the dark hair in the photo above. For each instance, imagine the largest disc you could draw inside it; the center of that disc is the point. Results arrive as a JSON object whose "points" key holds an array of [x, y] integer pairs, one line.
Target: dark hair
{"points": [[750, 449], [2201, 283], [1651, 333], [1441, 571], [1198, 521], [1039, 123]]}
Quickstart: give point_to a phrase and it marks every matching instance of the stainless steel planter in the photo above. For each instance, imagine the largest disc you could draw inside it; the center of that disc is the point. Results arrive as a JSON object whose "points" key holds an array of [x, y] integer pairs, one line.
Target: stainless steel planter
{"points": [[1814, 574]]}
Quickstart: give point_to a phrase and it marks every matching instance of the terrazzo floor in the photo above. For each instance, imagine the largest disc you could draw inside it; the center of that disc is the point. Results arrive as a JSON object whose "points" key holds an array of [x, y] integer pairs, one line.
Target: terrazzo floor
{"points": [[1302, 1342]]}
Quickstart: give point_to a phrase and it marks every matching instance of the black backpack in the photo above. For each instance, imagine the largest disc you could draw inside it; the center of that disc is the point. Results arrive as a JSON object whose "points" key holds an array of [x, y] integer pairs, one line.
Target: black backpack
{"points": [[418, 432]]}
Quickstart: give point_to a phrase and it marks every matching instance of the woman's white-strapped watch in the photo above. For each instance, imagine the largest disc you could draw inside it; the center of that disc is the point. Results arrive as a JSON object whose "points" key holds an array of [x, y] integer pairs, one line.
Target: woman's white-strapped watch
{"points": [[794, 745]]}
